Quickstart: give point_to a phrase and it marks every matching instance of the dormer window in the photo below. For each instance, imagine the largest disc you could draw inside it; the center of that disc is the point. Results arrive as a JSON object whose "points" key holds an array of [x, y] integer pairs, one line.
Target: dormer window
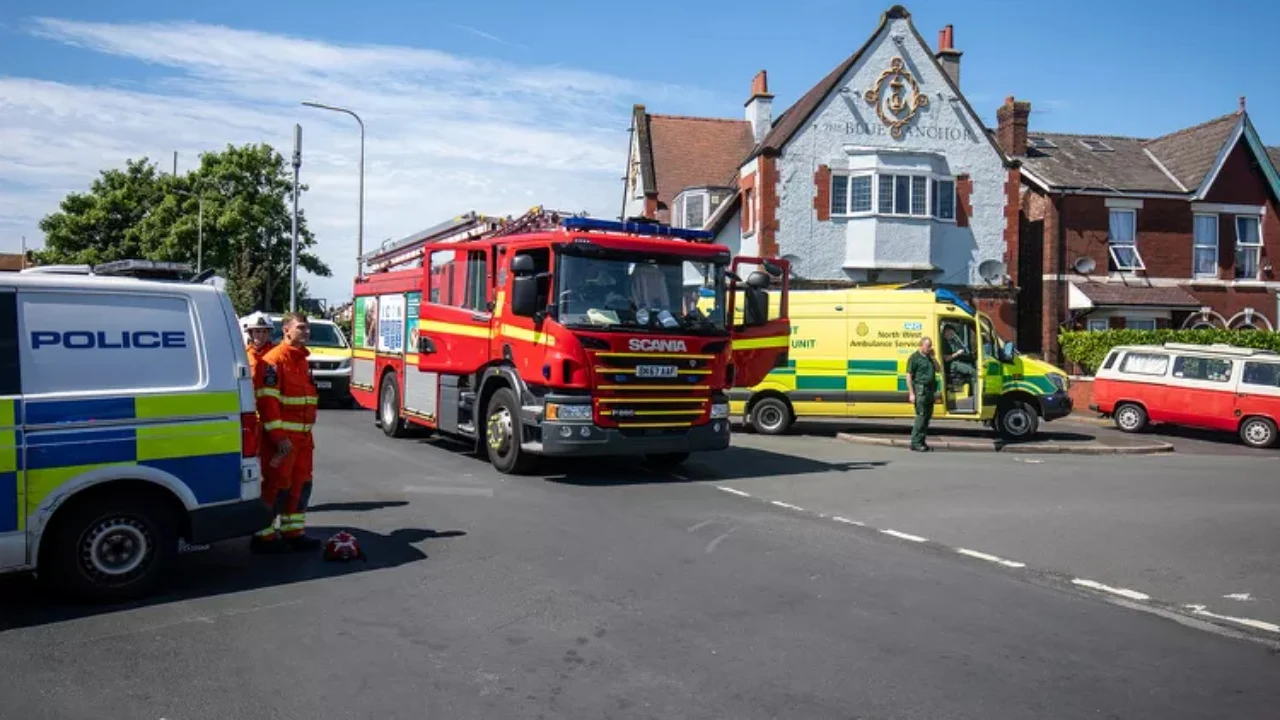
{"points": [[694, 206]]}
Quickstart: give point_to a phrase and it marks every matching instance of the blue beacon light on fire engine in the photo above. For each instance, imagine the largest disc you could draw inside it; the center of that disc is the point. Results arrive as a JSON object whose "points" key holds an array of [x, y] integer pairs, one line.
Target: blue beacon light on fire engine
{"points": [[582, 224]]}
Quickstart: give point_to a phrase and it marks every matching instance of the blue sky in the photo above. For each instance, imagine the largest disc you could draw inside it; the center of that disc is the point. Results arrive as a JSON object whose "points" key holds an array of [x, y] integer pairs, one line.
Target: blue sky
{"points": [[497, 105]]}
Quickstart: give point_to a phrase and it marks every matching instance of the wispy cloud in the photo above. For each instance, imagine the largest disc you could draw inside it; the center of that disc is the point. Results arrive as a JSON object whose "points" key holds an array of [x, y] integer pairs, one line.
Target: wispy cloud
{"points": [[446, 133], [489, 36]]}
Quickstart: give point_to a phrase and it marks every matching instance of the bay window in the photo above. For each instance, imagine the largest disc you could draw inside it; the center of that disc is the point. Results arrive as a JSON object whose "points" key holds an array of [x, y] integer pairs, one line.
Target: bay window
{"points": [[907, 195], [1205, 261], [1248, 247], [1122, 241]]}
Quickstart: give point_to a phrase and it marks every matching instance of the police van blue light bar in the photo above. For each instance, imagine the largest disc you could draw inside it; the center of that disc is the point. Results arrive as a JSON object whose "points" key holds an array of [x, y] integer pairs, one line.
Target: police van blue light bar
{"points": [[583, 224]]}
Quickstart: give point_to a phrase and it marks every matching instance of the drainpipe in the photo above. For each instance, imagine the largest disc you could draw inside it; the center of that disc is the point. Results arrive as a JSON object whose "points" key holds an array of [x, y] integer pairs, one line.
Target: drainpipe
{"points": [[1062, 273]]}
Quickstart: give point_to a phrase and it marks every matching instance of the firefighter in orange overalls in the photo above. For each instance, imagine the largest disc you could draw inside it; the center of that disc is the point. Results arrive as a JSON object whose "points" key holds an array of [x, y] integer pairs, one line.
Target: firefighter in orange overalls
{"points": [[287, 407], [258, 328]]}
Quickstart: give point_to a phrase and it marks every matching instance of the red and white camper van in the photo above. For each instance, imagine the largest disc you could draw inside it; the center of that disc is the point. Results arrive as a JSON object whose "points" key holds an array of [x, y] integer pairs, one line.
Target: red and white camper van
{"points": [[1215, 387]]}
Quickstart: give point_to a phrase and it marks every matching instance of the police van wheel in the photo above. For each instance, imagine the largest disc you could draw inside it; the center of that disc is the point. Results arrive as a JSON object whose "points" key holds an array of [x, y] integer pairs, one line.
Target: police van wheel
{"points": [[1017, 421], [502, 434], [389, 408], [111, 548], [771, 416]]}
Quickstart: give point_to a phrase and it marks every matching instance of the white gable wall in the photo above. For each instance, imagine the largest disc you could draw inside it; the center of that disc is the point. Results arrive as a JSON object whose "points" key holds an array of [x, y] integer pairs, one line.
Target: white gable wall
{"points": [[845, 134], [634, 206]]}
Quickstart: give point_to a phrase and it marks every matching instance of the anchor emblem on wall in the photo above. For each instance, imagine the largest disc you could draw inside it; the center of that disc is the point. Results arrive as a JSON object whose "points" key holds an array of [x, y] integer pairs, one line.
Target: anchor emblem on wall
{"points": [[901, 98]]}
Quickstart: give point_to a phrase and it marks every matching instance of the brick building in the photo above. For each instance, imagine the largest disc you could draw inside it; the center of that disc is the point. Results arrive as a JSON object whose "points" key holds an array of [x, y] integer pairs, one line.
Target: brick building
{"points": [[880, 173], [13, 262], [1175, 231]]}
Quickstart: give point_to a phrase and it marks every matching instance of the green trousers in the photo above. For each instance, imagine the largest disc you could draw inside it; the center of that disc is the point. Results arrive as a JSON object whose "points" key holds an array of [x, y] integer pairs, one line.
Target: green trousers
{"points": [[924, 413], [965, 371]]}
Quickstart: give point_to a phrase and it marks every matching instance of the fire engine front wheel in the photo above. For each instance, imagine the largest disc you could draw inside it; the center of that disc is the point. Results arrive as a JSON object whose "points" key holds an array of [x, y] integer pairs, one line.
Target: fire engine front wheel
{"points": [[502, 434]]}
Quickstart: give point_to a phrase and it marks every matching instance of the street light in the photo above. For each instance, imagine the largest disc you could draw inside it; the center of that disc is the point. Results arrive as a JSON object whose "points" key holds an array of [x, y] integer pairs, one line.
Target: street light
{"points": [[199, 226], [360, 227]]}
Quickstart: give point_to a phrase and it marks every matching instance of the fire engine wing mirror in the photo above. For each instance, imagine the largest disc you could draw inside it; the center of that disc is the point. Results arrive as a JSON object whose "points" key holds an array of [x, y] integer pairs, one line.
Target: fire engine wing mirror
{"points": [[731, 275], [772, 269], [523, 265], [524, 295], [755, 300]]}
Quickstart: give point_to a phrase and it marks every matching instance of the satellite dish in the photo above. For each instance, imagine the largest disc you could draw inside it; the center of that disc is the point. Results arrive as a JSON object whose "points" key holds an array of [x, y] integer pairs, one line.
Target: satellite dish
{"points": [[1084, 265], [991, 270]]}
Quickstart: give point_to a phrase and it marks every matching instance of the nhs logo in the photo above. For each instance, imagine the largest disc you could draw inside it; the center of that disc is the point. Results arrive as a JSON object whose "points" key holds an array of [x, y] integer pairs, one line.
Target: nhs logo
{"points": [[109, 340]]}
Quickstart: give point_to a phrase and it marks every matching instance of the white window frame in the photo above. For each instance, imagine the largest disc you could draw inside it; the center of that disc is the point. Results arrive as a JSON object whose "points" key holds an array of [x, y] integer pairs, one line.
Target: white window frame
{"points": [[1197, 245], [1255, 247], [1098, 325], [1138, 263], [931, 181], [680, 214]]}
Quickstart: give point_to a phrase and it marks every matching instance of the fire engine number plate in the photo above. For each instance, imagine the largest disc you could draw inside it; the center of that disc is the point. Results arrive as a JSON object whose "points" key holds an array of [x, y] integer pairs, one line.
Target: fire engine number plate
{"points": [[323, 385], [655, 371]]}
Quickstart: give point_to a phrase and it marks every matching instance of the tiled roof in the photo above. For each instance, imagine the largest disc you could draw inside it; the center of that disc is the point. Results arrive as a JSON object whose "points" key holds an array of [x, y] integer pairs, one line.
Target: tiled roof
{"points": [[1191, 152], [1117, 294], [1274, 154], [691, 152], [1133, 164], [1070, 163]]}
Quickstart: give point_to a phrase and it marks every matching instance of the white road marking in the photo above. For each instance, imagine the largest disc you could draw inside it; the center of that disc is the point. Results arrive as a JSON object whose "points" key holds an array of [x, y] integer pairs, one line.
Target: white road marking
{"points": [[441, 490], [732, 491], [847, 521], [701, 525], [905, 536], [1122, 592], [1260, 625], [990, 558], [711, 546], [1242, 597], [1028, 461], [788, 506]]}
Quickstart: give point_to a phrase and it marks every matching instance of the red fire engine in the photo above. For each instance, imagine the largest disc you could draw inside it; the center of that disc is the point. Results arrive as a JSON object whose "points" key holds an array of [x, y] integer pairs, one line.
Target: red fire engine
{"points": [[564, 336]]}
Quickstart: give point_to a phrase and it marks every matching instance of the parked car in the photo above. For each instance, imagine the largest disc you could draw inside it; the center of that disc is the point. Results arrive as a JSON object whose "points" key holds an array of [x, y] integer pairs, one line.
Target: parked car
{"points": [[330, 357], [1214, 387]]}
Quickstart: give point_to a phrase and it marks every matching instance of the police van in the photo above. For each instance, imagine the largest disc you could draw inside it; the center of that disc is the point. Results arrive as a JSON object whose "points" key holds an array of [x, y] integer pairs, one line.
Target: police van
{"points": [[127, 424]]}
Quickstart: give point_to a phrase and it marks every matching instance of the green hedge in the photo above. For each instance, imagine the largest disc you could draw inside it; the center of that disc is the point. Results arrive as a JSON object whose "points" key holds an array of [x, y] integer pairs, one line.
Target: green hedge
{"points": [[1088, 349]]}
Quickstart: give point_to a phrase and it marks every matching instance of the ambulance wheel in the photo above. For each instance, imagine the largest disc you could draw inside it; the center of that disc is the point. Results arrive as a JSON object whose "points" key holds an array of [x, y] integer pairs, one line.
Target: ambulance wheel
{"points": [[1258, 432], [389, 408], [502, 434], [110, 546], [771, 416], [1130, 418], [1017, 421]]}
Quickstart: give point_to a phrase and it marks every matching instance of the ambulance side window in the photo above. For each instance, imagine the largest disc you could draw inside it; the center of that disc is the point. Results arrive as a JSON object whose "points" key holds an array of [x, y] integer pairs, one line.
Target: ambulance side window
{"points": [[131, 341], [10, 377]]}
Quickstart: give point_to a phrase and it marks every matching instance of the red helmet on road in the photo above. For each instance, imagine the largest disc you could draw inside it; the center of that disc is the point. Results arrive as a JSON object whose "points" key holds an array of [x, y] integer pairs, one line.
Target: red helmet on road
{"points": [[343, 547]]}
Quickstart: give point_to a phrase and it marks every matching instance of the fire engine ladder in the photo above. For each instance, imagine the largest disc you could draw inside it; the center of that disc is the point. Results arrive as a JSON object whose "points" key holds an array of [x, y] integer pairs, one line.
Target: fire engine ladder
{"points": [[537, 219]]}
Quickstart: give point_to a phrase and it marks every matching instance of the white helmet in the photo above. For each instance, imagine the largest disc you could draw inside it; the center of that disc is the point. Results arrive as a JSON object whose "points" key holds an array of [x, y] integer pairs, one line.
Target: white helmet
{"points": [[256, 321]]}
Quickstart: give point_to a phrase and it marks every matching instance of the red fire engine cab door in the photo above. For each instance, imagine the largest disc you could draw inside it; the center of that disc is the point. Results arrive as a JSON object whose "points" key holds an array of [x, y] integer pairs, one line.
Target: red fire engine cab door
{"points": [[761, 330], [455, 317]]}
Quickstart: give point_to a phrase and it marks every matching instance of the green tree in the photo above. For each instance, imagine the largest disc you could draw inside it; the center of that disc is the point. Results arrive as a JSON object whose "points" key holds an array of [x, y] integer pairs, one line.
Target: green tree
{"points": [[247, 221]]}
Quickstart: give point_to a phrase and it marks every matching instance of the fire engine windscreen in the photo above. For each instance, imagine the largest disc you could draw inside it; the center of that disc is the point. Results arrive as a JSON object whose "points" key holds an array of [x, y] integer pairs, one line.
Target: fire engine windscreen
{"points": [[660, 294]]}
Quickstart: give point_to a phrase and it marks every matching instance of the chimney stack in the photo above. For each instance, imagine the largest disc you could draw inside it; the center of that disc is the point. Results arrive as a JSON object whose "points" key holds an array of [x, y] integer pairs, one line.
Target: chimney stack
{"points": [[948, 56], [1241, 110], [1011, 127], [760, 106]]}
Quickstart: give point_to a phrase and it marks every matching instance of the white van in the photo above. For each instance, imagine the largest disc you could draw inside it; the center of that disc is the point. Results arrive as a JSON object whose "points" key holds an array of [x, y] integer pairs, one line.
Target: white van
{"points": [[127, 422]]}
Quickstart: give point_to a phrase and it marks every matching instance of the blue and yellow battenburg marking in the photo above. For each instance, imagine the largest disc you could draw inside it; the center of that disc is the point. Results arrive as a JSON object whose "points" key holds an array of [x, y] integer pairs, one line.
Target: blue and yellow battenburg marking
{"points": [[178, 434]]}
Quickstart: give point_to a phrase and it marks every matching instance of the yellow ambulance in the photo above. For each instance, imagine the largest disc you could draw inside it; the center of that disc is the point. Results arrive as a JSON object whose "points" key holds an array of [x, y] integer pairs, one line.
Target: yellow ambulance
{"points": [[848, 359]]}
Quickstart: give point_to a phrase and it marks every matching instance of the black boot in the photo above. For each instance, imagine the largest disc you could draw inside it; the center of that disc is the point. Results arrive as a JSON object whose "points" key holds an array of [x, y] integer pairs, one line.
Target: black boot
{"points": [[260, 545], [302, 543]]}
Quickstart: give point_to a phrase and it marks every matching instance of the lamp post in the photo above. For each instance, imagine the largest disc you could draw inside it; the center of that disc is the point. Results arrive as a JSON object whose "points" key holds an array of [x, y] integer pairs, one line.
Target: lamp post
{"points": [[360, 227], [199, 227]]}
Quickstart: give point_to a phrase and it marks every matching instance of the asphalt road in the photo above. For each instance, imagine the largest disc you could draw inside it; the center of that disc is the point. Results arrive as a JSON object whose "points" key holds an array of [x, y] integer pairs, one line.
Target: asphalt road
{"points": [[601, 590]]}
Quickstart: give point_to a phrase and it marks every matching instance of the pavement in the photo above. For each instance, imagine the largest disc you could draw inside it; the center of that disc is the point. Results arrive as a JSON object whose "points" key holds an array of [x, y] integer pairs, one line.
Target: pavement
{"points": [[1079, 437], [605, 590]]}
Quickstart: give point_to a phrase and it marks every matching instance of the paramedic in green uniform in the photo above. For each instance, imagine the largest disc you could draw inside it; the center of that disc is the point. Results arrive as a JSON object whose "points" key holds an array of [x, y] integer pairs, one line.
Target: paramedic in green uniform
{"points": [[922, 378], [958, 360]]}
